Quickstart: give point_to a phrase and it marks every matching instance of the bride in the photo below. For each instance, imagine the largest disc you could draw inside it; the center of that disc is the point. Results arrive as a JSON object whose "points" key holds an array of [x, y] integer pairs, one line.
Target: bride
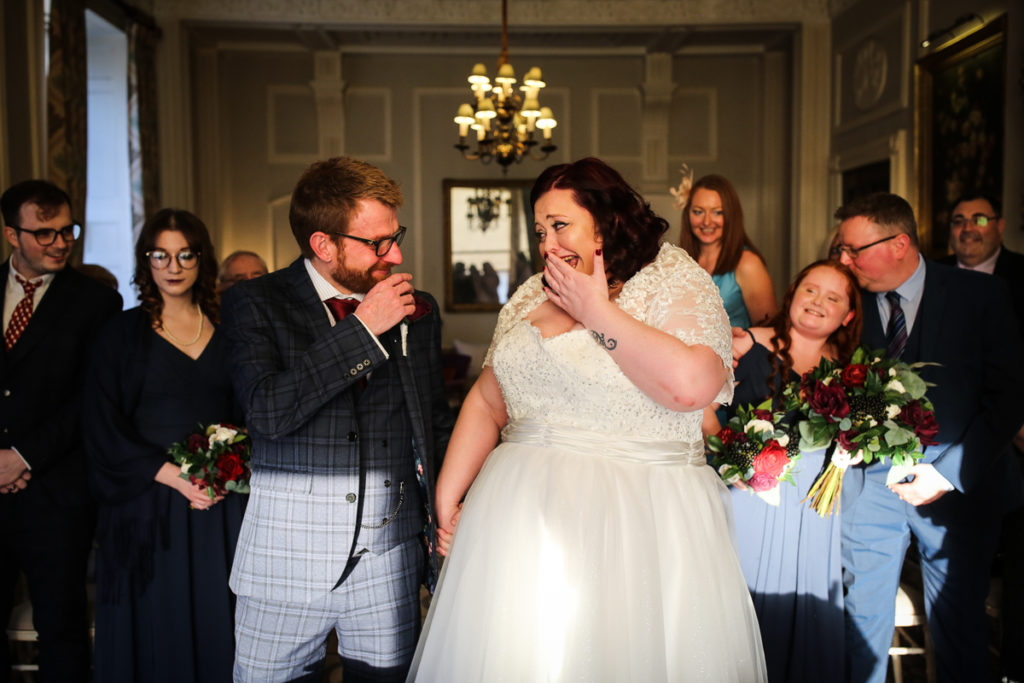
{"points": [[594, 543]]}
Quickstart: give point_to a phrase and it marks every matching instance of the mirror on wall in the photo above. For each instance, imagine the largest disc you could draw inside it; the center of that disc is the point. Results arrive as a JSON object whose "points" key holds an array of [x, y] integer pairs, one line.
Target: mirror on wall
{"points": [[489, 244]]}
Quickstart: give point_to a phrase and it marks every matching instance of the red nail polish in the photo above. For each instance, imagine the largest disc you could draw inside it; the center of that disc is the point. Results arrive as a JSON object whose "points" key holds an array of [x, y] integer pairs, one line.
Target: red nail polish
{"points": [[597, 253]]}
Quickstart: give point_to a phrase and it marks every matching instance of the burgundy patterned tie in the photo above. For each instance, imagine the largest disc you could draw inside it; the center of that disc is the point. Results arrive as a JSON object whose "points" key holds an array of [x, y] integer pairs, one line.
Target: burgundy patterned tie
{"points": [[341, 308], [22, 312]]}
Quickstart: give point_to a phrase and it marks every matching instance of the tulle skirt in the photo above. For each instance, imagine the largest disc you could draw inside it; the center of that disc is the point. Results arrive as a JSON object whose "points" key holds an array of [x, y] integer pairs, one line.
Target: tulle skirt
{"points": [[587, 557]]}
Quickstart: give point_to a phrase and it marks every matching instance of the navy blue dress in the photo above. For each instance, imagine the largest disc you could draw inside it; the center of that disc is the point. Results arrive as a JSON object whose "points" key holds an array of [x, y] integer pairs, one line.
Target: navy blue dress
{"points": [[164, 611], [791, 559]]}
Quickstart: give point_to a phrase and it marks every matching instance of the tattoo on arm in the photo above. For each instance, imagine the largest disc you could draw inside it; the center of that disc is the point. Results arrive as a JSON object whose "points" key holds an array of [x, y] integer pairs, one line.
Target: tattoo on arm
{"points": [[609, 344]]}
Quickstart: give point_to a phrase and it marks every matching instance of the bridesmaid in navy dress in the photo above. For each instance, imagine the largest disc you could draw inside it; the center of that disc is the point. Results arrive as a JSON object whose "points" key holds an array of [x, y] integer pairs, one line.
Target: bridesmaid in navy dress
{"points": [[164, 611], [789, 555]]}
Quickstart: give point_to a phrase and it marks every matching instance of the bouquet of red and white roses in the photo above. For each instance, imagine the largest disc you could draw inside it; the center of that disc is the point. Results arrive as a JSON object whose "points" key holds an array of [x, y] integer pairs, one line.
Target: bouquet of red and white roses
{"points": [[216, 457], [757, 449], [874, 408]]}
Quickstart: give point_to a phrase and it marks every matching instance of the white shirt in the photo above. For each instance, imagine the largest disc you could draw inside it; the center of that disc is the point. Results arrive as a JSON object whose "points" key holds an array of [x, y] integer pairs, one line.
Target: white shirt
{"points": [[986, 266], [15, 292]]}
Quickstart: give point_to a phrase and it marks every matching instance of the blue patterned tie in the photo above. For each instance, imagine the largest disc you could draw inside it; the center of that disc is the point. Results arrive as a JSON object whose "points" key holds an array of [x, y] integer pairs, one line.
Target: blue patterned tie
{"points": [[896, 333]]}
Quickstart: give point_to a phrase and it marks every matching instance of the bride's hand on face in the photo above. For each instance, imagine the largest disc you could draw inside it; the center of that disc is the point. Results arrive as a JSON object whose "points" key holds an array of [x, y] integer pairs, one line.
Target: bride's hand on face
{"points": [[574, 292]]}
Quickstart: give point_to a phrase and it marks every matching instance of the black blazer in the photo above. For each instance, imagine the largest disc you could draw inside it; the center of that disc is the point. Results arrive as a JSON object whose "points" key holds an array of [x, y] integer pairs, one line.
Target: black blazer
{"points": [[41, 382], [966, 326], [1009, 267]]}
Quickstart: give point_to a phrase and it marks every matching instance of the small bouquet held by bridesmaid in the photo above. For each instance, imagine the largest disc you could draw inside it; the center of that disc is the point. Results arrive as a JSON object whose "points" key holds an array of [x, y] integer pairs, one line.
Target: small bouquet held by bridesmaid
{"points": [[216, 457], [755, 448], [874, 408]]}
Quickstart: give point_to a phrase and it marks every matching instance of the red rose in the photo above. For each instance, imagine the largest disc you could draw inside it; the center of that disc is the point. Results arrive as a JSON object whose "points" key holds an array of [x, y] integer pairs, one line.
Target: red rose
{"points": [[846, 441], [197, 442], [230, 467], [423, 307], [829, 400], [854, 375], [727, 436], [763, 415], [771, 460], [923, 422], [762, 482]]}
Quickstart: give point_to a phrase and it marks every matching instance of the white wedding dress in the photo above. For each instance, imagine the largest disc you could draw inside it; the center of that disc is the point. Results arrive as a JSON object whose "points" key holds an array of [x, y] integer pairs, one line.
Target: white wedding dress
{"points": [[595, 543]]}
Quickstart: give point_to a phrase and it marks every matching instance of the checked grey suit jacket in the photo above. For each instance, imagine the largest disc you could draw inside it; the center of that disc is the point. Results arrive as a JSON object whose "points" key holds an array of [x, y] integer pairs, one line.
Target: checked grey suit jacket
{"points": [[325, 459]]}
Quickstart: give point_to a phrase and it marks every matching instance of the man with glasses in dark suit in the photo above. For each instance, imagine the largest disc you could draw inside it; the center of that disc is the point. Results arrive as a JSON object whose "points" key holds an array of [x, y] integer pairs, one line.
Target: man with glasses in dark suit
{"points": [[962, 326], [976, 227], [50, 313], [337, 362]]}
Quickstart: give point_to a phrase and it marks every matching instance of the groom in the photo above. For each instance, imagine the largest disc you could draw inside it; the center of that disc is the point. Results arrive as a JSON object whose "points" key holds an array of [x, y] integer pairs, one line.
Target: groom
{"points": [[337, 362]]}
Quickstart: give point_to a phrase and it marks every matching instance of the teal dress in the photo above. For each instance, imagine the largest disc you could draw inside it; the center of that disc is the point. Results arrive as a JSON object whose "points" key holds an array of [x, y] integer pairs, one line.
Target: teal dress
{"points": [[732, 298]]}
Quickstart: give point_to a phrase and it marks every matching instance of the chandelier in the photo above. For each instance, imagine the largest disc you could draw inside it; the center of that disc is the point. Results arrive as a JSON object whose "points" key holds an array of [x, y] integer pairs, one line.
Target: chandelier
{"points": [[505, 121], [484, 208]]}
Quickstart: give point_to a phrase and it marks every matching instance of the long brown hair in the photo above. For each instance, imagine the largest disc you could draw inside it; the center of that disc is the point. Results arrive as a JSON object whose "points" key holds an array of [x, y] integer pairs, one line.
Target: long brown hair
{"points": [[204, 291], [734, 237], [844, 339]]}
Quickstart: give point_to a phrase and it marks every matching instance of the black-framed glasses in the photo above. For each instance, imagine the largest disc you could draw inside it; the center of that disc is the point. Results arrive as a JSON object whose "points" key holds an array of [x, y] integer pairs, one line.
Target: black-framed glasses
{"points": [[854, 252], [160, 259], [381, 246], [47, 236], [978, 219]]}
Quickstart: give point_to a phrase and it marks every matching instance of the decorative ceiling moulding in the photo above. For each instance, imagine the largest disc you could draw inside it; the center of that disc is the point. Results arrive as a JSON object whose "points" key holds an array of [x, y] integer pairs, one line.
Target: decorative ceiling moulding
{"points": [[473, 12], [533, 41]]}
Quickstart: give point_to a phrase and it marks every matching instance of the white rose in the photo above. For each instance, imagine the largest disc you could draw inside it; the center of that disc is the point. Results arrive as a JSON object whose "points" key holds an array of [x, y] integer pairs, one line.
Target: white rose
{"points": [[184, 468], [759, 426], [892, 411], [223, 435], [783, 440], [892, 372], [895, 385], [721, 472]]}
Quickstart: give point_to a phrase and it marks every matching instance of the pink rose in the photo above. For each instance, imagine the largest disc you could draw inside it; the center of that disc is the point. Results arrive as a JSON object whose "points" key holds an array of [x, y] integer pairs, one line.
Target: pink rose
{"points": [[762, 482]]}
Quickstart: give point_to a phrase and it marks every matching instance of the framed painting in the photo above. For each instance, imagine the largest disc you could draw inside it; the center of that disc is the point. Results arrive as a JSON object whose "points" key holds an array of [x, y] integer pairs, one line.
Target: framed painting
{"points": [[960, 127]]}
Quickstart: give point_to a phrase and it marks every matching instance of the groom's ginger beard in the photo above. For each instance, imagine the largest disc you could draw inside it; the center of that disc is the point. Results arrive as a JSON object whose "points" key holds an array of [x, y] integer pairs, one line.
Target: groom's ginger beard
{"points": [[358, 281]]}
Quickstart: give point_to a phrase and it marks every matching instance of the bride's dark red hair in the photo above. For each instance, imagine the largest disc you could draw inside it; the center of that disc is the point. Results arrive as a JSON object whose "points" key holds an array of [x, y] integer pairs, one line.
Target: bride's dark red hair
{"points": [[631, 232]]}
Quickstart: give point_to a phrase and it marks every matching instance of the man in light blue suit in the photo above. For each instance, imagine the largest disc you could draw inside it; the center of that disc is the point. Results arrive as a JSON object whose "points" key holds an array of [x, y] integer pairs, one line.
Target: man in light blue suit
{"points": [[337, 362], [952, 502]]}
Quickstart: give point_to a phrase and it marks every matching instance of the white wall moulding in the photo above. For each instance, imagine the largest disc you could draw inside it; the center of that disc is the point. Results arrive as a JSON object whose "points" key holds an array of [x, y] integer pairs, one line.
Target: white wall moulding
{"points": [[872, 71], [693, 133], [614, 130], [289, 141], [893, 149], [282, 248], [368, 126]]}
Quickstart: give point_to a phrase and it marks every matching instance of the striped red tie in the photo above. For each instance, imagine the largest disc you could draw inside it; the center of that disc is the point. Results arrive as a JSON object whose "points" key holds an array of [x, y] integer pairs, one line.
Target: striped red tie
{"points": [[22, 312]]}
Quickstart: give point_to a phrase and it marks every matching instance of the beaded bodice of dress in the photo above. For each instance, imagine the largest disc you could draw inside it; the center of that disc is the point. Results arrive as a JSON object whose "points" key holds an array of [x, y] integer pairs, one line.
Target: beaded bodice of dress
{"points": [[571, 380]]}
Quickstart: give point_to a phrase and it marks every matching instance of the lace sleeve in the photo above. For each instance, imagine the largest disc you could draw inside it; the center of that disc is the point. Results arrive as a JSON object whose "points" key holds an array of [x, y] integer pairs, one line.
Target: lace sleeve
{"points": [[676, 295], [527, 297]]}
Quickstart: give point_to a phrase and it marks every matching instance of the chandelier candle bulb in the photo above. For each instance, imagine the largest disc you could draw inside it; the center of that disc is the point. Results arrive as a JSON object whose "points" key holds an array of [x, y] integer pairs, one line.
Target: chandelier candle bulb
{"points": [[517, 112]]}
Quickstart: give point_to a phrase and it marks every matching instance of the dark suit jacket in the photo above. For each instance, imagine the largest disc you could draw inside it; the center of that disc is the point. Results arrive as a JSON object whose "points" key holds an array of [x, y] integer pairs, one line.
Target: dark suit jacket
{"points": [[41, 382], [1009, 267], [297, 379], [966, 326]]}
